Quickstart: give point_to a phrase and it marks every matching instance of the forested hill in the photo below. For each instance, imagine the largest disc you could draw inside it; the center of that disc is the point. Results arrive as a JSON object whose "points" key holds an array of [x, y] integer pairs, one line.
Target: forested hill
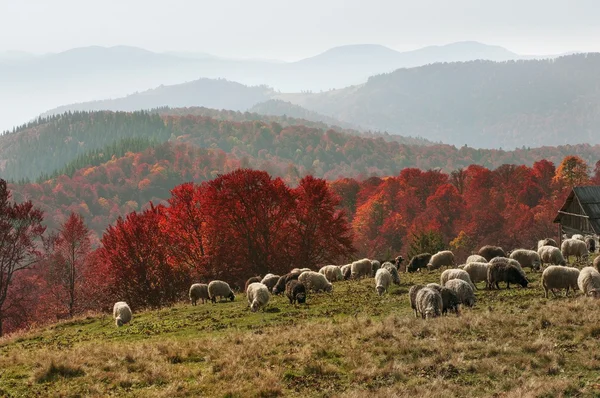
{"points": [[71, 141], [480, 103]]}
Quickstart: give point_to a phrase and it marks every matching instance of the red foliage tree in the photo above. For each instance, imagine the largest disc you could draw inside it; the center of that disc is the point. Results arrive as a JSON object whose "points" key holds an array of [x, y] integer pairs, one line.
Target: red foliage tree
{"points": [[320, 231], [20, 229]]}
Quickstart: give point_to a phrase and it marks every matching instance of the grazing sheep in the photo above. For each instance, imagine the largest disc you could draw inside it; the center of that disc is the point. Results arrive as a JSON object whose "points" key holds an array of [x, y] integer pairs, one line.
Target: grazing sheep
{"points": [[258, 296], [315, 281], [574, 247], [597, 263], [590, 242], [589, 282], [219, 289], [578, 237], [551, 255], [476, 258], [412, 297], [464, 292], [383, 280], [450, 274], [527, 258], [450, 300], [489, 252], [477, 272], [375, 265], [547, 242], [122, 313], [441, 259], [251, 280], [295, 291], [361, 268], [429, 303], [418, 262], [346, 271], [199, 291], [506, 260], [505, 271], [393, 271], [279, 287], [333, 273], [270, 281], [559, 277]]}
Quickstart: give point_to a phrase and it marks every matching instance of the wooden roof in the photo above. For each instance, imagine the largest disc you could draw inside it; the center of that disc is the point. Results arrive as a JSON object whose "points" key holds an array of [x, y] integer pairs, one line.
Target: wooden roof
{"points": [[589, 199]]}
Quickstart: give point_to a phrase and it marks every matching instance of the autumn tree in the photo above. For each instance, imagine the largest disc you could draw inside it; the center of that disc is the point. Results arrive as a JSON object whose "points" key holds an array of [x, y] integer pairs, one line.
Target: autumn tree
{"points": [[139, 269], [70, 249], [20, 231], [320, 231], [572, 171]]}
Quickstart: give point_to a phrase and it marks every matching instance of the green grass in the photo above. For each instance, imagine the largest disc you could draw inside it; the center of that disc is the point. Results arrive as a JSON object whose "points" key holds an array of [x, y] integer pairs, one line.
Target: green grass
{"points": [[349, 343]]}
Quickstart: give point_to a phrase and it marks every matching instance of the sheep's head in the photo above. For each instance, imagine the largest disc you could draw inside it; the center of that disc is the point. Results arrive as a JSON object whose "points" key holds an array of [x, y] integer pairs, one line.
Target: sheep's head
{"points": [[119, 321], [470, 302], [254, 306], [594, 293], [380, 290], [536, 265], [231, 296], [329, 288], [301, 297], [430, 313]]}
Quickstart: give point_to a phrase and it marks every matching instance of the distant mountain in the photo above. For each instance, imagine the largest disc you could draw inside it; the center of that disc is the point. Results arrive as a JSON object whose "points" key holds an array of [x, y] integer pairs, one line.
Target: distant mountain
{"points": [[210, 93], [34, 84], [479, 103]]}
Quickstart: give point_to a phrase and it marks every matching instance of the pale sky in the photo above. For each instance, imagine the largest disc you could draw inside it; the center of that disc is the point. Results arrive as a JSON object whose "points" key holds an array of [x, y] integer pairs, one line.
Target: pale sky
{"points": [[294, 29]]}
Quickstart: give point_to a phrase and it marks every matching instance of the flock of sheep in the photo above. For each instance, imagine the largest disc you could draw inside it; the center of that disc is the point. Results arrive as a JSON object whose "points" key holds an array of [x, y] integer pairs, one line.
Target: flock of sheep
{"points": [[457, 286]]}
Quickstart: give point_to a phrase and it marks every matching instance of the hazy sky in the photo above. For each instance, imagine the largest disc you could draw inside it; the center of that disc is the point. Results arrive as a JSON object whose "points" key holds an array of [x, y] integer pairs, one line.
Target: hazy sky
{"points": [[293, 29]]}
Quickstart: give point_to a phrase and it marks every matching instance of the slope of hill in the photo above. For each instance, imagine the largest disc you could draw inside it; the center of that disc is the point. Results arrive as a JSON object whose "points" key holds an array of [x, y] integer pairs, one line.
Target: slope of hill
{"points": [[218, 350], [479, 103], [50, 144]]}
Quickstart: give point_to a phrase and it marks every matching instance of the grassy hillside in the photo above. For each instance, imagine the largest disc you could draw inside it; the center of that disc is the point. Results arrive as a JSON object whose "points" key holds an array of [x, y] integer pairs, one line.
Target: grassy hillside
{"points": [[349, 343]]}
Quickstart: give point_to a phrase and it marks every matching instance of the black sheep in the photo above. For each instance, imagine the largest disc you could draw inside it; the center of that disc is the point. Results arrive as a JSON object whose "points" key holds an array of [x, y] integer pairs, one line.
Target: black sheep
{"points": [[295, 291], [419, 261]]}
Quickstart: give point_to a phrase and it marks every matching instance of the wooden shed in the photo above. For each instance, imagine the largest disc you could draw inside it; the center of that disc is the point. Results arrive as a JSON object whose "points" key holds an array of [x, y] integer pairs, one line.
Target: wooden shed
{"points": [[581, 212]]}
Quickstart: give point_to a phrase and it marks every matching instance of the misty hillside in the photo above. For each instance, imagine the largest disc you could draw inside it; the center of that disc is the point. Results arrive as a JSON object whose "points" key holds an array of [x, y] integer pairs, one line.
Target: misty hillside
{"points": [[479, 103], [96, 73]]}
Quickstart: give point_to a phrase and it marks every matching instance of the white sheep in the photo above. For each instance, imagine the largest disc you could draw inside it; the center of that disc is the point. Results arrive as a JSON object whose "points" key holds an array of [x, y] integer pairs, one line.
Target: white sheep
{"points": [[258, 296], [361, 268], [546, 242], [122, 313], [559, 277], [574, 247], [475, 258], [220, 289], [315, 281], [429, 303], [527, 258], [270, 280], [551, 255], [450, 274], [463, 291], [333, 273], [477, 271], [412, 297], [393, 271], [578, 237], [199, 291], [441, 259], [383, 280], [589, 282]]}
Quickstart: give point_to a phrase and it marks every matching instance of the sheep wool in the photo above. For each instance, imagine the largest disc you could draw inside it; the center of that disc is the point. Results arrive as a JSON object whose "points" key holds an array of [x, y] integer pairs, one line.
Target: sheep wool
{"points": [[383, 280], [333, 273], [559, 277], [477, 271], [251, 280], [589, 282], [393, 271], [412, 297], [361, 268], [258, 296], [295, 291], [464, 292], [476, 258], [270, 281], [551, 255], [315, 281], [199, 291], [441, 259], [220, 289], [450, 274], [489, 252], [122, 313], [574, 247], [527, 258], [418, 262], [429, 303]]}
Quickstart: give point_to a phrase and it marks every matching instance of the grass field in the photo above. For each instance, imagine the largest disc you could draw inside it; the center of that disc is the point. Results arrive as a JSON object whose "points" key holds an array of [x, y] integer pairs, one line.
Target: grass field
{"points": [[351, 343]]}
